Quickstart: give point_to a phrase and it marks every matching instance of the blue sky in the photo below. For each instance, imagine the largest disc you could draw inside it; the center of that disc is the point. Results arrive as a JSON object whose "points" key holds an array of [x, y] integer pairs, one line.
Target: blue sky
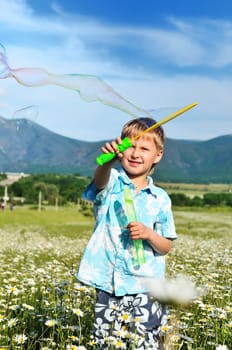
{"points": [[158, 54]]}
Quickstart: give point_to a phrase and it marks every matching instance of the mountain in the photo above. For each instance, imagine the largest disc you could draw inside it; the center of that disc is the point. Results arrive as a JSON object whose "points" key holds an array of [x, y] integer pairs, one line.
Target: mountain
{"points": [[27, 147]]}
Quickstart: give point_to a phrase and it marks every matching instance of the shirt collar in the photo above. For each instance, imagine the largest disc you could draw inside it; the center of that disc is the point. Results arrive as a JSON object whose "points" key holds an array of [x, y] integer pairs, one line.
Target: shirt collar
{"points": [[126, 180]]}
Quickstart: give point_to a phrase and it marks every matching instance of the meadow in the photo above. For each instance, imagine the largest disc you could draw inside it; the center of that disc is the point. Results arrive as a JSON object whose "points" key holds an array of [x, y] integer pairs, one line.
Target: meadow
{"points": [[42, 306], [191, 190]]}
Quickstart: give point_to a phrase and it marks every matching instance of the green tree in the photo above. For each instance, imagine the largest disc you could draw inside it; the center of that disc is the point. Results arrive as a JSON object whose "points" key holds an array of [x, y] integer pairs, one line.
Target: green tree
{"points": [[180, 199], [67, 187], [196, 201]]}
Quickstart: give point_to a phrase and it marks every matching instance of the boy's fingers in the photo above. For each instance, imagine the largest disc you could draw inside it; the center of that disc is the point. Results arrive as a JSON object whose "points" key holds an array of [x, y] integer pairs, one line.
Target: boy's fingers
{"points": [[107, 148], [112, 146], [119, 140]]}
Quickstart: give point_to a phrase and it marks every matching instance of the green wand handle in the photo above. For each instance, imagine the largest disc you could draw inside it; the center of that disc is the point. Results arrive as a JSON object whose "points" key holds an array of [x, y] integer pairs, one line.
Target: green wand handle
{"points": [[106, 157], [139, 256]]}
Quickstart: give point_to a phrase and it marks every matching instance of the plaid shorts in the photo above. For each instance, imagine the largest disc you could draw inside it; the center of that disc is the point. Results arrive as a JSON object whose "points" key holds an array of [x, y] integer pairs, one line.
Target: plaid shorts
{"points": [[128, 322]]}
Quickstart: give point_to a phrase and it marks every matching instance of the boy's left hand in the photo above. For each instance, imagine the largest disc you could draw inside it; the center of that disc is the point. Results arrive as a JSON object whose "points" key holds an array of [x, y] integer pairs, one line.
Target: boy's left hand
{"points": [[138, 230]]}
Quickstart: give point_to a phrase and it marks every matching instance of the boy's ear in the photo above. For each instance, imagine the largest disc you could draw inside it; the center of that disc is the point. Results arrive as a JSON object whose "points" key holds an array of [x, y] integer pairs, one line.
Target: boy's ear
{"points": [[158, 157]]}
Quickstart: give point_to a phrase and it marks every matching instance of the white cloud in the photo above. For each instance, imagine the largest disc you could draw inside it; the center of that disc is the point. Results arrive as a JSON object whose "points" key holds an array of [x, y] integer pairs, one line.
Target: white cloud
{"points": [[186, 43], [206, 42], [15, 12]]}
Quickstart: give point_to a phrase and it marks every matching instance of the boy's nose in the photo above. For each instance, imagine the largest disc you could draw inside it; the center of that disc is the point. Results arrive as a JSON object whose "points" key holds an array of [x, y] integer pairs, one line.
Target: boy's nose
{"points": [[135, 153]]}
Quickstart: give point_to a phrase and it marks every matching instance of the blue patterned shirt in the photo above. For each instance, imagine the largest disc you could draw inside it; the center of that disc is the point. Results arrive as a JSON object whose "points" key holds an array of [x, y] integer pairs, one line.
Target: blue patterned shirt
{"points": [[107, 262]]}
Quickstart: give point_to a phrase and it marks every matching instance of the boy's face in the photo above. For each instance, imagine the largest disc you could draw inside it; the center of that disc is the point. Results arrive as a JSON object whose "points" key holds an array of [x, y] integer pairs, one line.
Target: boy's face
{"points": [[139, 159]]}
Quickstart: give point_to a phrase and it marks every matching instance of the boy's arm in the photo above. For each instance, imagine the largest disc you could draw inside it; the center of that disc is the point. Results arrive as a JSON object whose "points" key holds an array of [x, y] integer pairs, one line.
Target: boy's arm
{"points": [[160, 244], [102, 173]]}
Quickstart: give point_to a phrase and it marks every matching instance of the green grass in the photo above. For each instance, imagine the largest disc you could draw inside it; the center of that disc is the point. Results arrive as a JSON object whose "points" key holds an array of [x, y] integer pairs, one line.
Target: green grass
{"points": [[43, 307], [65, 221], [204, 223], [192, 190]]}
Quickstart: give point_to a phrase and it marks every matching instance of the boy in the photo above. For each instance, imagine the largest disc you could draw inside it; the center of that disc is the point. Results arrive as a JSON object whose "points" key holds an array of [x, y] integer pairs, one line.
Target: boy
{"points": [[124, 311]]}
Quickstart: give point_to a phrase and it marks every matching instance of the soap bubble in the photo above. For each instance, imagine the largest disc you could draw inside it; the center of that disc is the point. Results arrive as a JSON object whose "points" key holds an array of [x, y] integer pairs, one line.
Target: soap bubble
{"points": [[30, 113], [91, 88]]}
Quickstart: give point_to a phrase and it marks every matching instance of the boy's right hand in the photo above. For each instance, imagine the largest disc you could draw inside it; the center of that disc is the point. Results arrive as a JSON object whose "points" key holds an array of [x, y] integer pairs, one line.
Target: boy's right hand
{"points": [[111, 147]]}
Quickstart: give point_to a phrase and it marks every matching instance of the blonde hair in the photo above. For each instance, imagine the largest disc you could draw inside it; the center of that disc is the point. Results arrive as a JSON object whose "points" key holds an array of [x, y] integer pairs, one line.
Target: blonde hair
{"points": [[136, 126]]}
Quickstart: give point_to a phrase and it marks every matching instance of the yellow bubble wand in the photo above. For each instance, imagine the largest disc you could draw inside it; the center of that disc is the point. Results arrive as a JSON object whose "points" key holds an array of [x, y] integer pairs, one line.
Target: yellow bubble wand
{"points": [[126, 142]]}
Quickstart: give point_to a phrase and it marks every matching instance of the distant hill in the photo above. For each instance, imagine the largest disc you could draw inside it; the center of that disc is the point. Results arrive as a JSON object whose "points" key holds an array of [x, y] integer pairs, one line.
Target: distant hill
{"points": [[25, 146]]}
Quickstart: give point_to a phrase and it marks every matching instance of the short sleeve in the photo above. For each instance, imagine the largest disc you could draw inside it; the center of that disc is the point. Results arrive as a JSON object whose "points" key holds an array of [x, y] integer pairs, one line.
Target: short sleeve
{"points": [[165, 225], [92, 193]]}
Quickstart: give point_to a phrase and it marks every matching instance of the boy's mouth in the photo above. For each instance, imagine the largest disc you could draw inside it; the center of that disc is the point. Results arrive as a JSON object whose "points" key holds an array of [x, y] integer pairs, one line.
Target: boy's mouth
{"points": [[134, 162]]}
